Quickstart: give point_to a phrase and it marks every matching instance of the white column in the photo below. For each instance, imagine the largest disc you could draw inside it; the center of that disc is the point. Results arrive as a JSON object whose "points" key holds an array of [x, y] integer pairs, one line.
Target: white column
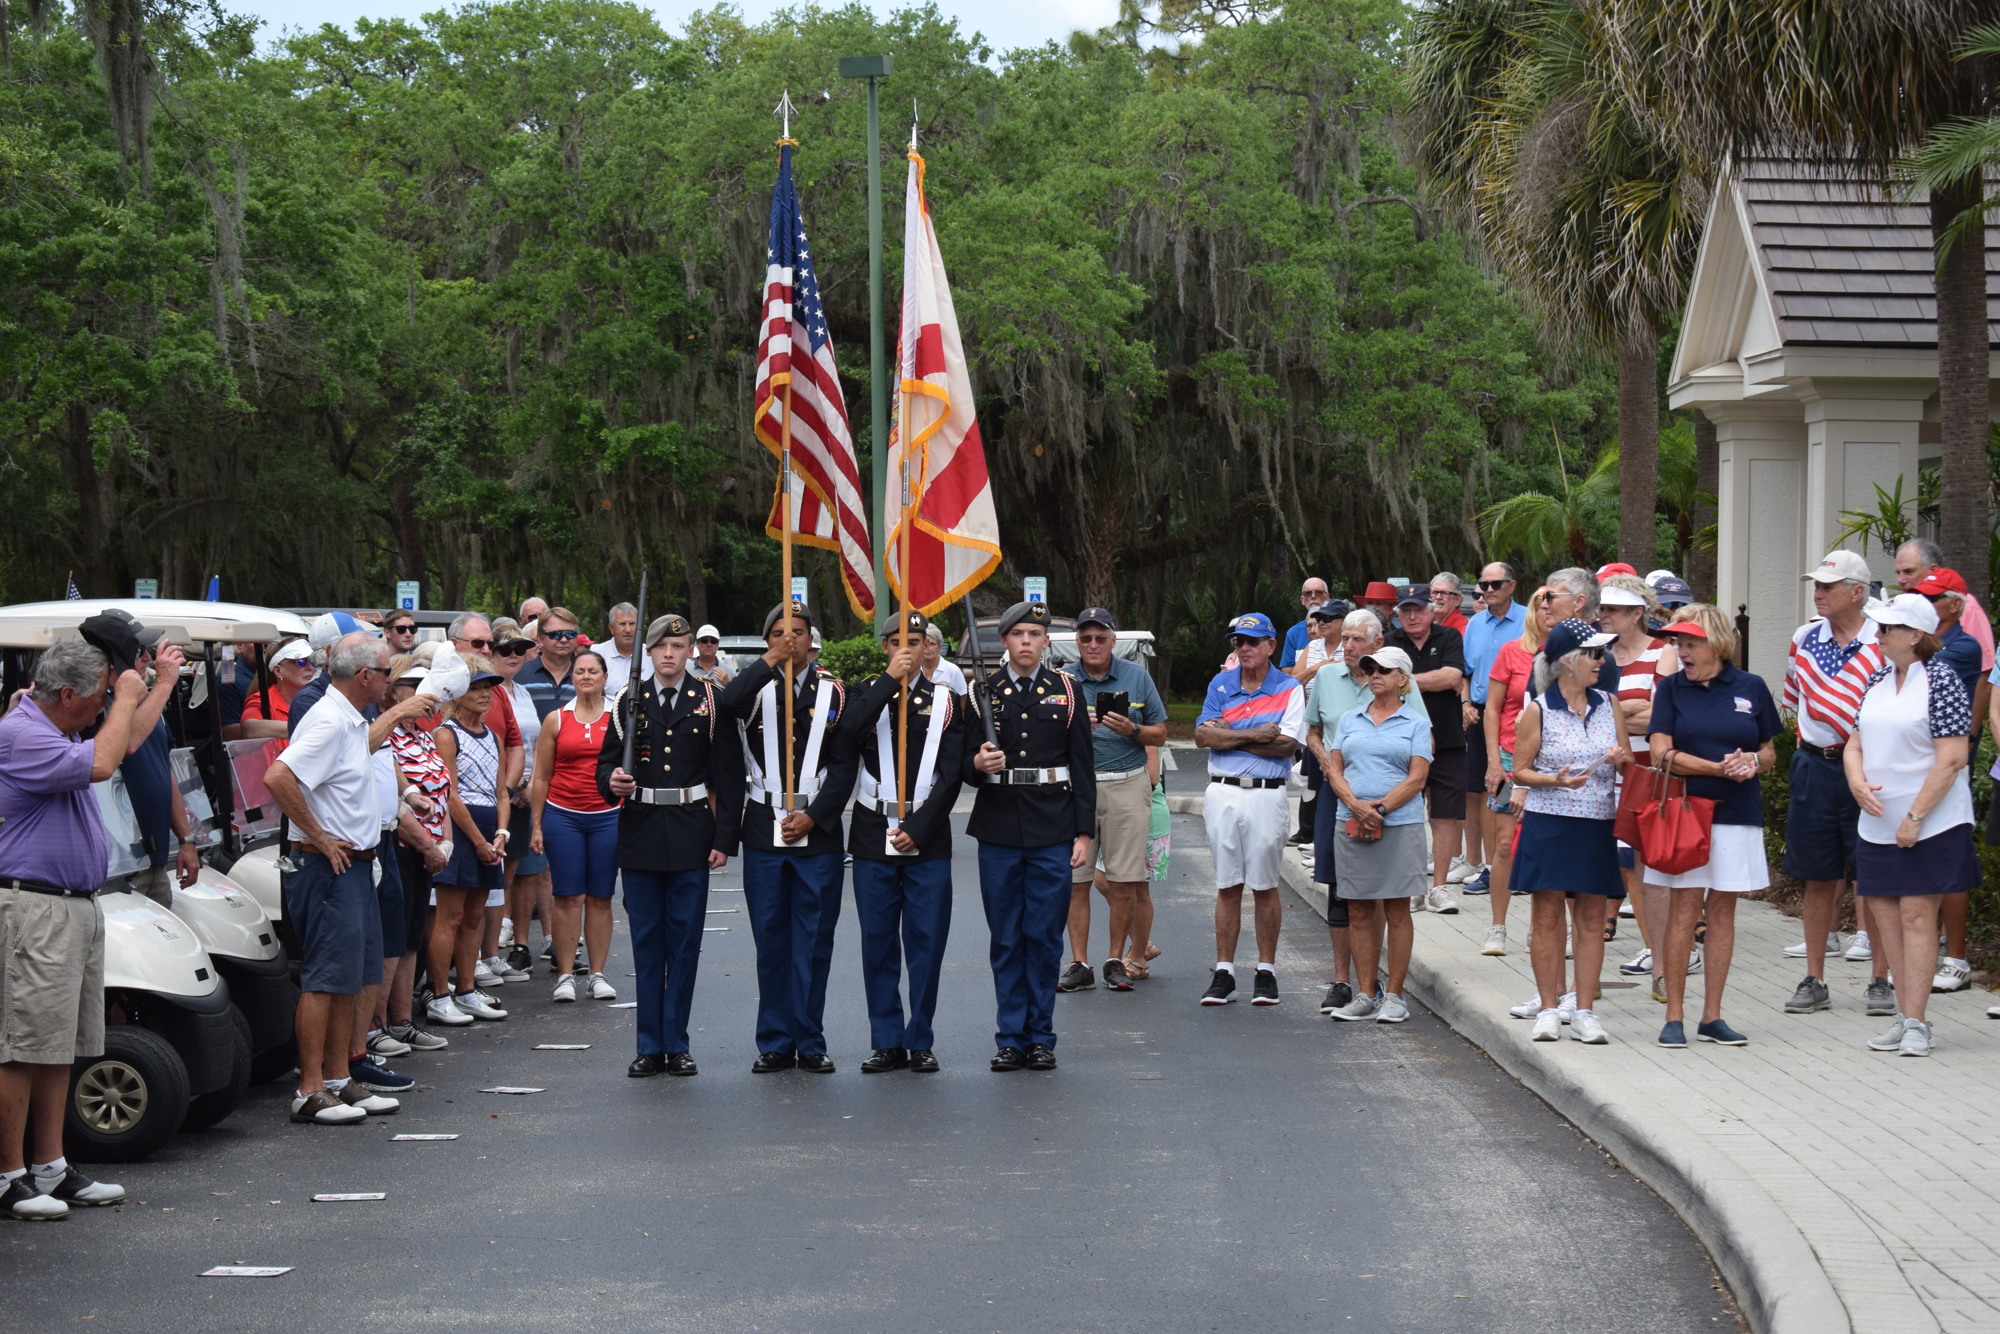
{"points": [[1760, 524], [1858, 438]]}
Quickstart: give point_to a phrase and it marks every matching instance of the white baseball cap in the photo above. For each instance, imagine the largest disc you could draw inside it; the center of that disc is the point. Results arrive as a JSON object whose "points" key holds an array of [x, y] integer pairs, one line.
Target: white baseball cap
{"points": [[416, 672], [297, 650], [1911, 609], [1392, 658], [708, 632], [1841, 567], [1654, 576]]}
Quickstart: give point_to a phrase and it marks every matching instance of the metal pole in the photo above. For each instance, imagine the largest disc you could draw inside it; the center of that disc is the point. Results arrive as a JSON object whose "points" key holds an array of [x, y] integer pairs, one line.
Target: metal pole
{"points": [[878, 356]]}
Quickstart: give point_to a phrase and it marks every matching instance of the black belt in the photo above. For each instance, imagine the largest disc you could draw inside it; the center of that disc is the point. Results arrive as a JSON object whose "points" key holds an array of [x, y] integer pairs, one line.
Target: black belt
{"points": [[1237, 780], [1832, 753], [353, 854], [43, 887]]}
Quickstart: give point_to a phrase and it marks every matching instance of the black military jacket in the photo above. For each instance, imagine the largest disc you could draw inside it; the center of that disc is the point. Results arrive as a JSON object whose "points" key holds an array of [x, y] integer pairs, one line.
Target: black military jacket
{"points": [[682, 740], [740, 702], [929, 824], [1043, 724]]}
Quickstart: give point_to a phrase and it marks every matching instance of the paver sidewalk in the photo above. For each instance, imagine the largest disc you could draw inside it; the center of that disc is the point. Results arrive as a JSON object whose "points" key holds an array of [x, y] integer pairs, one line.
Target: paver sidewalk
{"points": [[1838, 1188]]}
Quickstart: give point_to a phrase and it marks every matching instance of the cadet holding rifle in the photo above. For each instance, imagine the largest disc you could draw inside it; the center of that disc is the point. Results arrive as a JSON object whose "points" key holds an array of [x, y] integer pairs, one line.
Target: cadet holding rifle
{"points": [[678, 768], [1033, 816]]}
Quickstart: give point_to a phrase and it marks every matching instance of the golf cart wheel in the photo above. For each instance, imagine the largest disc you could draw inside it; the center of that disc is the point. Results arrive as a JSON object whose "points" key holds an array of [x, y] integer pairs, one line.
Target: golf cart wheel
{"points": [[126, 1103], [208, 1108], [274, 1062]]}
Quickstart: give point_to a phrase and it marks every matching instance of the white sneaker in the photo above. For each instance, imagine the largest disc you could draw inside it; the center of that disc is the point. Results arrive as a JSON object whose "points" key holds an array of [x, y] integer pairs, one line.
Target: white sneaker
{"points": [[1548, 1027], [1566, 1006], [1440, 902], [1641, 965], [1891, 1038], [21, 1198], [1586, 1028], [601, 989], [444, 1010], [1859, 951], [1694, 961], [1952, 975], [1916, 1038], [506, 932], [484, 976], [478, 1006], [1395, 1010], [1798, 951], [1416, 903], [565, 989], [1496, 940], [1530, 1008], [1460, 871], [1625, 908]]}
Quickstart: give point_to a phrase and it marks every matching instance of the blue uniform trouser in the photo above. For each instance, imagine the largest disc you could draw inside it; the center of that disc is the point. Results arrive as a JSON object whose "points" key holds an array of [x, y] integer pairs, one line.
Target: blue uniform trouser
{"points": [[794, 904], [1026, 892], [905, 913], [666, 910]]}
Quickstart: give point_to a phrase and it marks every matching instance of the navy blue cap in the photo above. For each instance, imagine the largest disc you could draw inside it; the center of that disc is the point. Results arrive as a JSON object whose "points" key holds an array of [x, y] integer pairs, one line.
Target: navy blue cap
{"points": [[1570, 635], [1096, 616]]}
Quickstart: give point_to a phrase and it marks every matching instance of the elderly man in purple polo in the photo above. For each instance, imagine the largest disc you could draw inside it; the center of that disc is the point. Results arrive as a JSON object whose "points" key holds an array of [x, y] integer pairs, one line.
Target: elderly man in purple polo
{"points": [[54, 855]]}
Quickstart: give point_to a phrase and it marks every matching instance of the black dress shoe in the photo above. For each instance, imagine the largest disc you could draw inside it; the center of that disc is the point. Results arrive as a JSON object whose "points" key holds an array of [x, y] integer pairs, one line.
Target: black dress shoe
{"points": [[1009, 1059], [647, 1063], [817, 1064], [770, 1062], [924, 1062], [884, 1060], [1041, 1056], [680, 1063]]}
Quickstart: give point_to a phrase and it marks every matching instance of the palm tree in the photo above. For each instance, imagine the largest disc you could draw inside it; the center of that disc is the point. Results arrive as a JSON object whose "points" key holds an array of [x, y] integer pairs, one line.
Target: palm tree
{"points": [[1545, 530], [1525, 134], [1858, 83]]}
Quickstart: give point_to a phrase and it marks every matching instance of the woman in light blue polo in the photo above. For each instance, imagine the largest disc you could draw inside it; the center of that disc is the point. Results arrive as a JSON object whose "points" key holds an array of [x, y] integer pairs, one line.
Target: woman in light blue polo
{"points": [[1377, 764]]}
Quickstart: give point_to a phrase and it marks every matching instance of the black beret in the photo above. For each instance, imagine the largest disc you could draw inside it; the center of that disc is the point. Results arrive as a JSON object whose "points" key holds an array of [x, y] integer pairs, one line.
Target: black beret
{"points": [[799, 613], [1025, 613]]}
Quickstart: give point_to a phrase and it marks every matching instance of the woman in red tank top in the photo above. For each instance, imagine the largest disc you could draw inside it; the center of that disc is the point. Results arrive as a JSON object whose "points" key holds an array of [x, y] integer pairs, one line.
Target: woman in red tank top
{"points": [[576, 827]]}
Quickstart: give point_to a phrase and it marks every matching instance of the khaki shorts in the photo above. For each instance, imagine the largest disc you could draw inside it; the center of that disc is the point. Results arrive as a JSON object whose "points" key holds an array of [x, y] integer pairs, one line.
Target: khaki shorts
{"points": [[51, 977], [1124, 823]]}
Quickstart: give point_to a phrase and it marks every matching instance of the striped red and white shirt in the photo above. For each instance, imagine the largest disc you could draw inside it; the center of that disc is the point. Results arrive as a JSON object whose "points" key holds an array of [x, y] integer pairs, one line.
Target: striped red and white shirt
{"points": [[1825, 680], [1636, 680]]}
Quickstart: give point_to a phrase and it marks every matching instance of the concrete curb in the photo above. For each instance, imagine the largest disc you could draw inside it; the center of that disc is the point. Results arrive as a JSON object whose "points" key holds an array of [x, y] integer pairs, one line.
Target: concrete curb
{"points": [[1770, 1267]]}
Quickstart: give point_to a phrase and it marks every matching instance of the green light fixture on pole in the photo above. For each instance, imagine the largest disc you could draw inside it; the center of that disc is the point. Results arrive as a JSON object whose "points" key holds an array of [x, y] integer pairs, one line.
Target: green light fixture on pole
{"points": [[875, 69]]}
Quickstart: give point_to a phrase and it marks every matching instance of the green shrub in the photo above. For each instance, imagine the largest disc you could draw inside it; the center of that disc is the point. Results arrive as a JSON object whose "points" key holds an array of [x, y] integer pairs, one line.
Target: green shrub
{"points": [[854, 659]]}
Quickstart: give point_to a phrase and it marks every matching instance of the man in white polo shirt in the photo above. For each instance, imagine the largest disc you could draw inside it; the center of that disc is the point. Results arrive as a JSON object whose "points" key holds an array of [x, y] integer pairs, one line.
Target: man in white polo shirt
{"points": [[325, 784], [1252, 723]]}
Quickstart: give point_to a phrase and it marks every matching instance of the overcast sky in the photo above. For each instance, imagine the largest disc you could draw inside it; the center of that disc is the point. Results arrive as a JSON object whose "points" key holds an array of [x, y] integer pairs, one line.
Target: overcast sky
{"points": [[1015, 23]]}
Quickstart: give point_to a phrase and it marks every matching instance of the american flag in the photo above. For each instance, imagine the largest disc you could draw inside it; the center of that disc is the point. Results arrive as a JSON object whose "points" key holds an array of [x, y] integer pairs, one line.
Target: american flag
{"points": [[828, 511], [73, 595], [1825, 680]]}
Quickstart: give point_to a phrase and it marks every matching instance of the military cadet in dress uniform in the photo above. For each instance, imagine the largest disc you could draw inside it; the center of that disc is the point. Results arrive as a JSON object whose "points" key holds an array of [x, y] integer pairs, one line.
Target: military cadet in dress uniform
{"points": [[682, 801], [902, 861], [792, 862], [1035, 809]]}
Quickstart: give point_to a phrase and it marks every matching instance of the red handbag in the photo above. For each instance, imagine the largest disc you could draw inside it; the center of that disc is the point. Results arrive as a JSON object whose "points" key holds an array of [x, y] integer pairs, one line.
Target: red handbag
{"points": [[1641, 784], [1674, 827]]}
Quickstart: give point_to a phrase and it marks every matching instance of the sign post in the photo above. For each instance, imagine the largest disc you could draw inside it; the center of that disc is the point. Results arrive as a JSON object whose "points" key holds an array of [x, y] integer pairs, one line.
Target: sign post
{"points": [[1035, 588], [408, 595], [799, 589]]}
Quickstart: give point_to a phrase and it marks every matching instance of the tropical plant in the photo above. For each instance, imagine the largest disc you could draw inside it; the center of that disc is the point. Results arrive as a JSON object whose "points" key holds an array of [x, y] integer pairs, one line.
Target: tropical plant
{"points": [[1524, 132], [1861, 83], [1894, 520], [1546, 530], [1686, 504]]}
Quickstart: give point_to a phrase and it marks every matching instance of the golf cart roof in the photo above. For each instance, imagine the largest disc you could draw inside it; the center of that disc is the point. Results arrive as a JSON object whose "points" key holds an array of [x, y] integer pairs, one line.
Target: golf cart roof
{"points": [[185, 620]]}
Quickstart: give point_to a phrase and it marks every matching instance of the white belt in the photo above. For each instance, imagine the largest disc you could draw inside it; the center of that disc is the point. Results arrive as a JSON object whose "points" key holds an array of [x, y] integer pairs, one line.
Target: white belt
{"points": [[1118, 776], [671, 796], [1032, 777], [885, 805], [801, 797]]}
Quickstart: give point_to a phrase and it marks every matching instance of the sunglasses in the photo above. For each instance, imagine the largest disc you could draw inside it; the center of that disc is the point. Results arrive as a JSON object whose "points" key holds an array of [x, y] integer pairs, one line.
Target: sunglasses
{"points": [[514, 651], [560, 636], [1594, 654], [1494, 585], [403, 629], [481, 644]]}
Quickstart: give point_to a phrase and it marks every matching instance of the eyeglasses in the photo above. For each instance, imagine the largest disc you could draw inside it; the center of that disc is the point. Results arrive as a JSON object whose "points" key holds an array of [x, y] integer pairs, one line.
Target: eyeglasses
{"points": [[560, 636], [481, 644], [711, 639], [1442, 595], [1493, 585], [1313, 595]]}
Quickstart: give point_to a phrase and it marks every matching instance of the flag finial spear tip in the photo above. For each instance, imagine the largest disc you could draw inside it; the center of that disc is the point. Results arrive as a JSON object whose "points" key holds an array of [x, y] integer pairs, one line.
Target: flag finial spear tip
{"points": [[784, 111], [913, 125]]}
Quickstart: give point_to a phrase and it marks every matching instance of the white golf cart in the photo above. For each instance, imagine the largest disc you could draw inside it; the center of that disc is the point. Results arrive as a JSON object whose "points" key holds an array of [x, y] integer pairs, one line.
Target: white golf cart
{"points": [[197, 996]]}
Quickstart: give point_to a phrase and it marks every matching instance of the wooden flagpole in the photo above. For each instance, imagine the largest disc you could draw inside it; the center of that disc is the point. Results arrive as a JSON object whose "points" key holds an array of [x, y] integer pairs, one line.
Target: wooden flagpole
{"points": [[785, 511], [903, 555]]}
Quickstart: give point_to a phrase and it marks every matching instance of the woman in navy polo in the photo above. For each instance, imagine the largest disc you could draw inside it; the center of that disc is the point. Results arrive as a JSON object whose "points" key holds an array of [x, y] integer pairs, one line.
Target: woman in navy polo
{"points": [[1719, 722]]}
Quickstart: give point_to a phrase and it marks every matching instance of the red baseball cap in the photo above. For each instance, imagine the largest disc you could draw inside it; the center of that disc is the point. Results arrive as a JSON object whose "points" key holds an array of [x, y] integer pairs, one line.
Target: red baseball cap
{"points": [[1941, 580], [1615, 567]]}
